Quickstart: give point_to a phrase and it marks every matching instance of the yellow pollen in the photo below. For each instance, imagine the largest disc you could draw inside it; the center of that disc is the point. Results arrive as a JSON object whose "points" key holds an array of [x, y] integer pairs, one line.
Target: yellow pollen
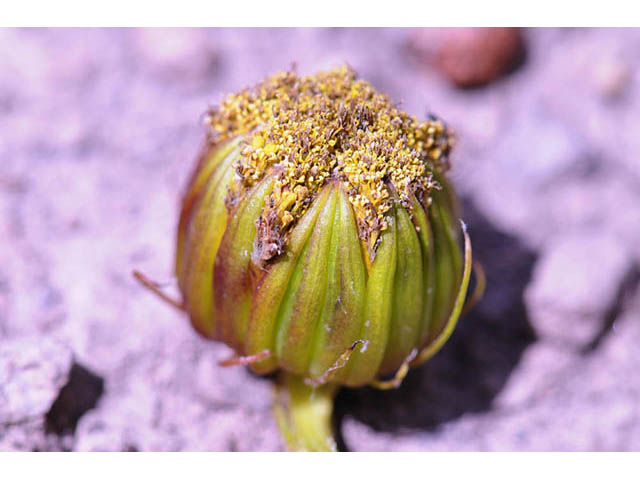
{"points": [[308, 130]]}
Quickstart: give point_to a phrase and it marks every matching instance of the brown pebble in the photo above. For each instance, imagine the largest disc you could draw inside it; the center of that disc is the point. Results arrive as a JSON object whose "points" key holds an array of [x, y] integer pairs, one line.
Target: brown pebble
{"points": [[471, 57]]}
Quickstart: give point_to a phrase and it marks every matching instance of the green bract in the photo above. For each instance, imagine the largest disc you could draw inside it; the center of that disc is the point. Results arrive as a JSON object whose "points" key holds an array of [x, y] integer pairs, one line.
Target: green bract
{"points": [[319, 237], [308, 306]]}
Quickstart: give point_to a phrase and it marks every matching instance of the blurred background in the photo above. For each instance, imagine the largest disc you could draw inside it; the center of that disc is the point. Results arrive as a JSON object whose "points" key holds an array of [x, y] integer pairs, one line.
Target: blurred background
{"points": [[99, 132]]}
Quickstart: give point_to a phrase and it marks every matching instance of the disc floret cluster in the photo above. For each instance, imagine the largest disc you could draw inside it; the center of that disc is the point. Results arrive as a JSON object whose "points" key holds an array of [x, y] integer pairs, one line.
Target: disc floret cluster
{"points": [[328, 127]]}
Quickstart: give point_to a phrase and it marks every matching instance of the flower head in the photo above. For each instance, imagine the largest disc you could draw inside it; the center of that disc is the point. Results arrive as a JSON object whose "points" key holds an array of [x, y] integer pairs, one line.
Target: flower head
{"points": [[318, 235]]}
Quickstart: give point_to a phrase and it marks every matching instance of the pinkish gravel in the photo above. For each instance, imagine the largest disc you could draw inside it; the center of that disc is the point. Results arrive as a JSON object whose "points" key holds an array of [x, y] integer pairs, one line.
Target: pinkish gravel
{"points": [[99, 132]]}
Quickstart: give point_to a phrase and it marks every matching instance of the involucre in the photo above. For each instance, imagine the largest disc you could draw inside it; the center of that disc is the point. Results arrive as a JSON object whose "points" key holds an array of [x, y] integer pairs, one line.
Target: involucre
{"points": [[319, 238]]}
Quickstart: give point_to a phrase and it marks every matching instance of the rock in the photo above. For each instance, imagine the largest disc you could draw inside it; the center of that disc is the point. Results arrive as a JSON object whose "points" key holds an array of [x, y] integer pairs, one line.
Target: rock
{"points": [[180, 399], [536, 178], [539, 366], [43, 393], [578, 409], [577, 285], [473, 57], [32, 372]]}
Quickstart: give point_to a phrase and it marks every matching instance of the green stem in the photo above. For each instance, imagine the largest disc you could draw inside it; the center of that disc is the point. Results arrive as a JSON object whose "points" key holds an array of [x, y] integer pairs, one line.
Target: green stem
{"points": [[303, 414]]}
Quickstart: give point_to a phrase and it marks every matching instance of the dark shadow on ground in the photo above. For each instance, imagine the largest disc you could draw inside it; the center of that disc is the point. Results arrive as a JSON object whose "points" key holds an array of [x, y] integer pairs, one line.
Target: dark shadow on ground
{"points": [[466, 375], [81, 393]]}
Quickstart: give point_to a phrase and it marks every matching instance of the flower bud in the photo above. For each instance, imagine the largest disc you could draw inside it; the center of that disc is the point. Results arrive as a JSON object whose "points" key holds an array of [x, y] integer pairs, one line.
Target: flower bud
{"points": [[318, 234]]}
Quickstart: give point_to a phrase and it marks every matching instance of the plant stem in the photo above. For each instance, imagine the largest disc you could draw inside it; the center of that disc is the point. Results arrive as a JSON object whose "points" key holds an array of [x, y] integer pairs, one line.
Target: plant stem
{"points": [[303, 414]]}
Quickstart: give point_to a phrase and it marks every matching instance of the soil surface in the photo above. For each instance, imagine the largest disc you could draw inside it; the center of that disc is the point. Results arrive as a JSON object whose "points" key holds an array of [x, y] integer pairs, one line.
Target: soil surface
{"points": [[100, 129]]}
